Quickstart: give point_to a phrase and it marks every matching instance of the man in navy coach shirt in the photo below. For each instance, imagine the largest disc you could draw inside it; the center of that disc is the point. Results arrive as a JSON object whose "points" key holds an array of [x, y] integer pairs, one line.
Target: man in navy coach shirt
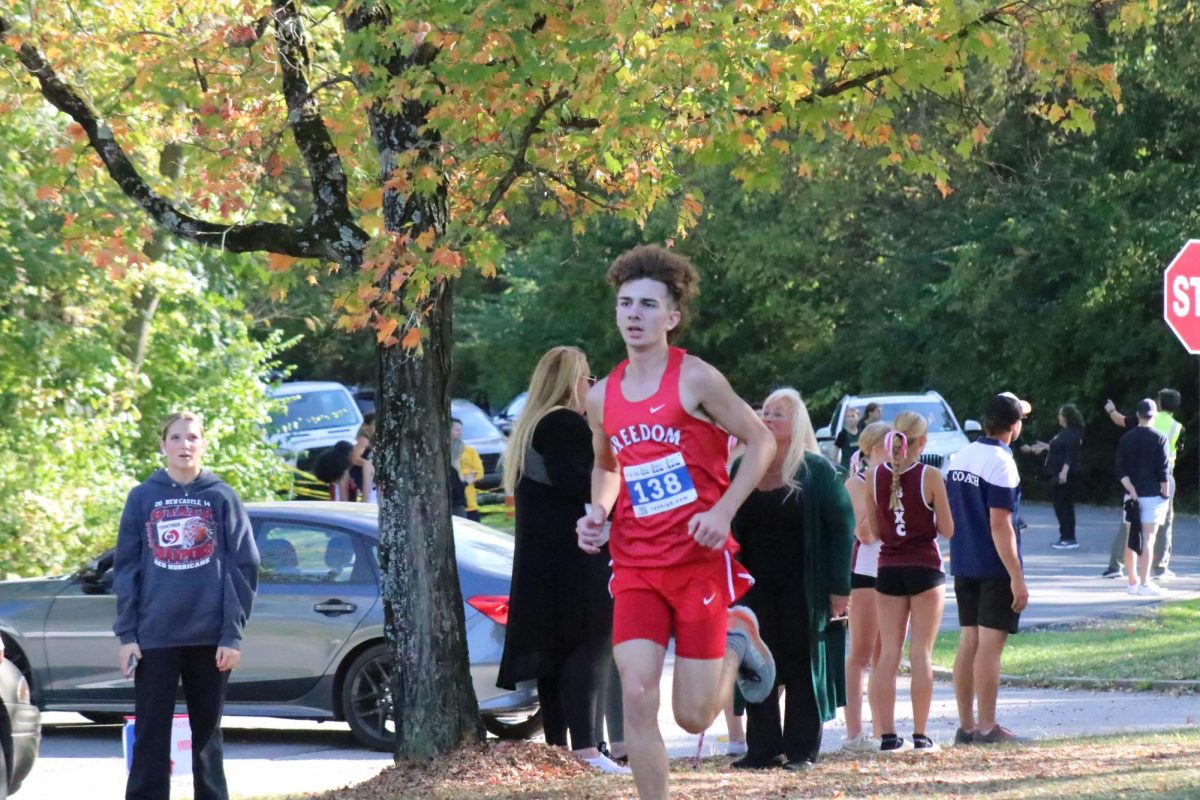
{"points": [[985, 558]]}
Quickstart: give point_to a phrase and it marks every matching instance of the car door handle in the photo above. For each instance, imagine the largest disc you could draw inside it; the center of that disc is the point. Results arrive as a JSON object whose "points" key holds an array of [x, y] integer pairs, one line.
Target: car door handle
{"points": [[333, 608]]}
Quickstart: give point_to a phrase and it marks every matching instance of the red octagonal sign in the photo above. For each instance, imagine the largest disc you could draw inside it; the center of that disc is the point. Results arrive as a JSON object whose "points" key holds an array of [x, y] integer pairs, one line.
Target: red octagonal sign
{"points": [[1181, 295]]}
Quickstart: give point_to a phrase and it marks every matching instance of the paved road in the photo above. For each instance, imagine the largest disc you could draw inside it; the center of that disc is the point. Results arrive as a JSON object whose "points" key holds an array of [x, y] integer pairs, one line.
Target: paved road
{"points": [[277, 757]]}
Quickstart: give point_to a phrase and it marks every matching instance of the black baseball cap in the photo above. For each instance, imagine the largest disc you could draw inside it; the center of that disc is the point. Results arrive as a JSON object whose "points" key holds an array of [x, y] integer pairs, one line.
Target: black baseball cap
{"points": [[1005, 409], [1146, 408]]}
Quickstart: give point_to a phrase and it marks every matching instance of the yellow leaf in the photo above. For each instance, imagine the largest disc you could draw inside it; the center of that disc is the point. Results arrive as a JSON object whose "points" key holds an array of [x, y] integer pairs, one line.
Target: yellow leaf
{"points": [[371, 199], [426, 239]]}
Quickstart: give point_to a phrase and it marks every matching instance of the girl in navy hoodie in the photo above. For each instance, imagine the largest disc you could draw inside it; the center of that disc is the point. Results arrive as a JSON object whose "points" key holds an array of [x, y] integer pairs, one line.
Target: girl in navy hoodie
{"points": [[185, 576]]}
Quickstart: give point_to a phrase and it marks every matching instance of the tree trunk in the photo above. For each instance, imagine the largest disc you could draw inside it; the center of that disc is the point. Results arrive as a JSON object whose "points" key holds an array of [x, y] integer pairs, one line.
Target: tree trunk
{"points": [[432, 693]]}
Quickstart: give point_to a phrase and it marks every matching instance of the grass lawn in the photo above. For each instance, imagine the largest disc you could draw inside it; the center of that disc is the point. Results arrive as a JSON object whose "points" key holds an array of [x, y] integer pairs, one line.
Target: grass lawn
{"points": [[1160, 644], [497, 517], [1164, 766]]}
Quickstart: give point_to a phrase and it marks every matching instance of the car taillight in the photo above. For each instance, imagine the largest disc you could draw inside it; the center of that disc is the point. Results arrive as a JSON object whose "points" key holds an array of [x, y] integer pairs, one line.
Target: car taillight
{"points": [[494, 608], [23, 689]]}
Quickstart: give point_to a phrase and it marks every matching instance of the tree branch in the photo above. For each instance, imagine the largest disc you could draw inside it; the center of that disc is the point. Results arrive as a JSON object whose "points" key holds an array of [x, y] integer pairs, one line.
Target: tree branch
{"points": [[519, 165], [259, 236], [325, 171]]}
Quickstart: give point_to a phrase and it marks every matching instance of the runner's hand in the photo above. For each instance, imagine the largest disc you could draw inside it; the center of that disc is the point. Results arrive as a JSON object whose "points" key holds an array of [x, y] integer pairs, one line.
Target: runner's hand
{"points": [[710, 529], [839, 606], [1020, 593], [590, 530]]}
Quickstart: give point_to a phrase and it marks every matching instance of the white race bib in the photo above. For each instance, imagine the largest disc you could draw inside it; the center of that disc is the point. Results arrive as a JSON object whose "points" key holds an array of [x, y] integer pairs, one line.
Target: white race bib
{"points": [[658, 486]]}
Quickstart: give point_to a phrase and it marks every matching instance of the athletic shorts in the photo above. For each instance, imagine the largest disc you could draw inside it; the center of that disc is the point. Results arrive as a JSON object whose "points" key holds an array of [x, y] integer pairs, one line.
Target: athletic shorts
{"points": [[689, 600], [861, 581], [986, 604], [907, 581]]}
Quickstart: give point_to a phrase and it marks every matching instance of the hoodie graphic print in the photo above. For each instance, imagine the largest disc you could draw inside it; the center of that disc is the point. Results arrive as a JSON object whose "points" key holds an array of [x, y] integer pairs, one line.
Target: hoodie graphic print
{"points": [[181, 533]]}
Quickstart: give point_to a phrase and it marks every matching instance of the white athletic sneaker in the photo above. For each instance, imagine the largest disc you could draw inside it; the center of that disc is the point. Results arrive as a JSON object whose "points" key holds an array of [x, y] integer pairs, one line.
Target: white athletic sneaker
{"points": [[735, 748], [1131, 589], [1151, 590], [860, 744], [897, 745], [606, 764]]}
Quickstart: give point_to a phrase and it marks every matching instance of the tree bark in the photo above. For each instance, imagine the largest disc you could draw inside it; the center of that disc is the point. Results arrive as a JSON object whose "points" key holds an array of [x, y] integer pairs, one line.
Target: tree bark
{"points": [[432, 692]]}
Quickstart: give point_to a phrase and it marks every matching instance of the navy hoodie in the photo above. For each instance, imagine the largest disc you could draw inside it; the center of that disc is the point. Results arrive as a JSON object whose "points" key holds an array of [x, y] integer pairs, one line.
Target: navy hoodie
{"points": [[186, 567]]}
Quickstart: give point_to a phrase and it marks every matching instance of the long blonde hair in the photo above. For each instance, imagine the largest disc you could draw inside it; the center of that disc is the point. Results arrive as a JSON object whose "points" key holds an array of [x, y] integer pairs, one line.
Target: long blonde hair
{"points": [[906, 428], [803, 440], [553, 385], [871, 437]]}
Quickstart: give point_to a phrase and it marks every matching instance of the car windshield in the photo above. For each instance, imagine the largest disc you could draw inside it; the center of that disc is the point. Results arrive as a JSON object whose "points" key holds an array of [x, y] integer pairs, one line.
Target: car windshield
{"points": [[476, 425], [936, 414], [314, 410]]}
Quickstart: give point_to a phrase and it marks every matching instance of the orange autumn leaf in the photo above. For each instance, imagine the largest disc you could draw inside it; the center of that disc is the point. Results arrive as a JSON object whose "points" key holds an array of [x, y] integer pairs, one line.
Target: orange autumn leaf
{"points": [[426, 239], [384, 329], [75, 131], [278, 262], [412, 339]]}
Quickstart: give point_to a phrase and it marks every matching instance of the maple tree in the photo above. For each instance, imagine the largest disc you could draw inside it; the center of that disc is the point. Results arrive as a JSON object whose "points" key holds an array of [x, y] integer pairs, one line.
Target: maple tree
{"points": [[242, 125]]}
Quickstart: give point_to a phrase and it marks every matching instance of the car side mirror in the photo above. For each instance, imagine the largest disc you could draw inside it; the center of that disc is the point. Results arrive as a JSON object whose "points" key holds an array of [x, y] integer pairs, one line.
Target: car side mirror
{"points": [[824, 434], [96, 578]]}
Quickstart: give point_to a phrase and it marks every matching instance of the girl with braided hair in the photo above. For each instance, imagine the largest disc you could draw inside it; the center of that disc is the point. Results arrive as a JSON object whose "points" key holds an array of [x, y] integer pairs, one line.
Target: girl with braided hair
{"points": [[910, 509]]}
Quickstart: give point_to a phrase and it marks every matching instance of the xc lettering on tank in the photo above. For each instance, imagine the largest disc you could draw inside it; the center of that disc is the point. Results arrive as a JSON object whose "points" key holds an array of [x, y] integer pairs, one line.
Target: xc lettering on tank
{"points": [[898, 515], [660, 485]]}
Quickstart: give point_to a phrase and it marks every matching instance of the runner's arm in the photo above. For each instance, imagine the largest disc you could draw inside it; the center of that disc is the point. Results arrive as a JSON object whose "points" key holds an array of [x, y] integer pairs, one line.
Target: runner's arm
{"points": [[858, 500], [606, 480], [871, 520], [1004, 536], [713, 396]]}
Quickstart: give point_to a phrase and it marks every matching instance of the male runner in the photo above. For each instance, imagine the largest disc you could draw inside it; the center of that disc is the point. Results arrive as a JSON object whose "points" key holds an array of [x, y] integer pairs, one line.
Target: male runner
{"points": [[660, 426]]}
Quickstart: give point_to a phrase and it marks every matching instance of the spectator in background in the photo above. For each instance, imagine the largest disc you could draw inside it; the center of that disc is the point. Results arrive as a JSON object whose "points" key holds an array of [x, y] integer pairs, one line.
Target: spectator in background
{"points": [[872, 413], [864, 618], [1142, 468], [909, 510], [796, 531], [362, 470], [333, 467], [847, 438], [185, 576], [985, 556], [560, 612], [470, 469], [1166, 424], [454, 481], [1062, 472]]}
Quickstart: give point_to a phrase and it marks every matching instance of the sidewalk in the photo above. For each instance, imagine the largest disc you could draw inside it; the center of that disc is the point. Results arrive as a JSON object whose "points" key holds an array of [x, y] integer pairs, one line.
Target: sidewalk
{"points": [[1065, 586]]}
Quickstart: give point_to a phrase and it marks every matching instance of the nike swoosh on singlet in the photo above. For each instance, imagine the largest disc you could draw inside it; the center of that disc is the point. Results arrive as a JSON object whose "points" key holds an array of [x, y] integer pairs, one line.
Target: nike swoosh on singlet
{"points": [[710, 598], [656, 409]]}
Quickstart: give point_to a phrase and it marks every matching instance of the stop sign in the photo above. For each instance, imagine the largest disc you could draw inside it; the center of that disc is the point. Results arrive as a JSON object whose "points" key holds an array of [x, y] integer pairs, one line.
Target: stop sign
{"points": [[1181, 295]]}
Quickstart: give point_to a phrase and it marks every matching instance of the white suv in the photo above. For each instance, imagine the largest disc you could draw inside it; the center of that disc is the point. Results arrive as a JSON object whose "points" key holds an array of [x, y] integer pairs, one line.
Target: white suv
{"points": [[945, 436], [318, 415]]}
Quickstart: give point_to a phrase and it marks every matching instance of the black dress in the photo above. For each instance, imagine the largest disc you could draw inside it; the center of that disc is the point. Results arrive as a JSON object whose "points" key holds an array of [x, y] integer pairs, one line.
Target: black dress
{"points": [[770, 529], [560, 612]]}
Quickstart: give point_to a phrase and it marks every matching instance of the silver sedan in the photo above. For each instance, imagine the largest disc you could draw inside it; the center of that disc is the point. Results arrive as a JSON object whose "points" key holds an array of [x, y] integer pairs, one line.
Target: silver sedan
{"points": [[314, 647]]}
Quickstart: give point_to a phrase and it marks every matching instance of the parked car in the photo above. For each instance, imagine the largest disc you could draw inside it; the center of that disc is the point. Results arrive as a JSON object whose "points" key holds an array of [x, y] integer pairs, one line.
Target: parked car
{"points": [[318, 415], [314, 647], [364, 398], [481, 433], [508, 416], [945, 436], [20, 729]]}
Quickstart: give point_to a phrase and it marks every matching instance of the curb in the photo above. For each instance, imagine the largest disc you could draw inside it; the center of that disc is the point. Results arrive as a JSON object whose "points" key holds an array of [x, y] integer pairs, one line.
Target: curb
{"points": [[1133, 684]]}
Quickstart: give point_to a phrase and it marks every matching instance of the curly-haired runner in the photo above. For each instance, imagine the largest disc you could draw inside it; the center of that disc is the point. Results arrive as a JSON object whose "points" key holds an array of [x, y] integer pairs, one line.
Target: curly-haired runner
{"points": [[911, 510], [660, 426]]}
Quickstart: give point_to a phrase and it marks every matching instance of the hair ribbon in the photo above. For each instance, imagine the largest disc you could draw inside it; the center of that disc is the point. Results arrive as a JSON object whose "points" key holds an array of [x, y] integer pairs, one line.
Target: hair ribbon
{"points": [[889, 440]]}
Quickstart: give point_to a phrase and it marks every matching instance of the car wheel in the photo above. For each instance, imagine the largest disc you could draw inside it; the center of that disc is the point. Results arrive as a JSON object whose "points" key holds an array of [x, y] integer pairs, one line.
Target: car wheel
{"points": [[103, 717], [514, 726], [367, 699]]}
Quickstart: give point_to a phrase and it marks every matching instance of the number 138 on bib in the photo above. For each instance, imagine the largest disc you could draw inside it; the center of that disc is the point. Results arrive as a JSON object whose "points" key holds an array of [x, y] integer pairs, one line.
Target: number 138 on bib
{"points": [[658, 486]]}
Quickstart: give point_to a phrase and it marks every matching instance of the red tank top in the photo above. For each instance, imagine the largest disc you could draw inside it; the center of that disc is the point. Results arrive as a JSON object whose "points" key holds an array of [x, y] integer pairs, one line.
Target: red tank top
{"points": [[909, 533], [672, 467]]}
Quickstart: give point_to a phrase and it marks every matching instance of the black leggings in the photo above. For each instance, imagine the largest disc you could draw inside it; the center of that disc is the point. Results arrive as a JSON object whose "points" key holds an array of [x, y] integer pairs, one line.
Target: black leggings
{"points": [[568, 696], [1063, 497]]}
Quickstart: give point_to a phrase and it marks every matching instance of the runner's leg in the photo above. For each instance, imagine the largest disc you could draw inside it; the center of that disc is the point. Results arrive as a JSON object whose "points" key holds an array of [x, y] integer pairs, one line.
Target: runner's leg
{"points": [[893, 622], [640, 662], [926, 617], [864, 636], [987, 674], [964, 676]]}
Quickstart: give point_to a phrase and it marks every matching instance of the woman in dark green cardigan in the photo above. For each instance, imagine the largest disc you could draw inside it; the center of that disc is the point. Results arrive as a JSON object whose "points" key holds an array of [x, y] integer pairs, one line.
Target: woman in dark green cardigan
{"points": [[796, 531]]}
